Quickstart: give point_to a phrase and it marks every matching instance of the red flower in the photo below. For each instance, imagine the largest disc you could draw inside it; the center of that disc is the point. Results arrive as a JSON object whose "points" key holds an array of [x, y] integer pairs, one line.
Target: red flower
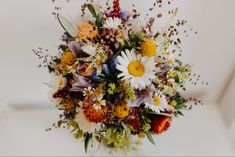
{"points": [[160, 124], [135, 121]]}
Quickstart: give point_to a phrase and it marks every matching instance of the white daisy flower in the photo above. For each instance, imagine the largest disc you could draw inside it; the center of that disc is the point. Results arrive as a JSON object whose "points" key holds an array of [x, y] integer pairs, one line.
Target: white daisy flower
{"points": [[140, 71], [112, 23], [84, 124], [89, 49], [157, 103], [87, 92], [99, 103], [58, 82]]}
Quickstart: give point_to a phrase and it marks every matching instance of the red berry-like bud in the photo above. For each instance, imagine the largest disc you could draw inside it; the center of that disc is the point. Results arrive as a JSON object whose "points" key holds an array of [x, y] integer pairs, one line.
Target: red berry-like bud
{"points": [[116, 12]]}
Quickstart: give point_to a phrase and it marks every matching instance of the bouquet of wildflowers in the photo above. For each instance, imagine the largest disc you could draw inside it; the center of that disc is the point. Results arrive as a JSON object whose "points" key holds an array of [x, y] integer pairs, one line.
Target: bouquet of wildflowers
{"points": [[117, 81]]}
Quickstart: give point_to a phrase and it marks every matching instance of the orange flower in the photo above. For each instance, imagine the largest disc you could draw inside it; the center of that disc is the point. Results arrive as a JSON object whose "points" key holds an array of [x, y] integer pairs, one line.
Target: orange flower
{"points": [[95, 115], [160, 124], [87, 30]]}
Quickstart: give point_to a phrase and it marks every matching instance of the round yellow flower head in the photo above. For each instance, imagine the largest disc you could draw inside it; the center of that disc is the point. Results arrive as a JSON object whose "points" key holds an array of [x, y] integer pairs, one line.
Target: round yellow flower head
{"points": [[68, 58], [148, 48], [122, 110]]}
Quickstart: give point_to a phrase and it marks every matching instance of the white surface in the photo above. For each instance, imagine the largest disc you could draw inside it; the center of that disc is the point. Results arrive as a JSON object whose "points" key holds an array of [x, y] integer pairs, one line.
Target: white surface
{"points": [[228, 104], [27, 24], [200, 132], [227, 107]]}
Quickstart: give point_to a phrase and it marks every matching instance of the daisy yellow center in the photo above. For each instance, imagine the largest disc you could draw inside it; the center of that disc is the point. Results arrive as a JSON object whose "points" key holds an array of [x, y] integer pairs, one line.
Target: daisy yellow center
{"points": [[97, 93], [60, 83], [156, 101], [99, 103], [88, 93], [136, 68]]}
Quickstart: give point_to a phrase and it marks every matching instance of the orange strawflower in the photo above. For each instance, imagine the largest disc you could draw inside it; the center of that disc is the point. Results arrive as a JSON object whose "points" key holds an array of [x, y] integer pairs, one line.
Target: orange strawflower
{"points": [[160, 124], [95, 115]]}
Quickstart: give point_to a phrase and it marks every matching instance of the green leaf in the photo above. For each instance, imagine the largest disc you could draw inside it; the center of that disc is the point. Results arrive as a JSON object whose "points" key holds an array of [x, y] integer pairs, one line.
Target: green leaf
{"points": [[161, 114], [68, 26], [99, 23], [87, 139], [149, 135], [51, 69], [57, 60], [92, 10]]}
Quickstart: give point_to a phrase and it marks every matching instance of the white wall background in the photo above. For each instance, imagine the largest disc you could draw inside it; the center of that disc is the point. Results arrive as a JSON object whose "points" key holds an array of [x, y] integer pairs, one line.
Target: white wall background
{"points": [[27, 24]]}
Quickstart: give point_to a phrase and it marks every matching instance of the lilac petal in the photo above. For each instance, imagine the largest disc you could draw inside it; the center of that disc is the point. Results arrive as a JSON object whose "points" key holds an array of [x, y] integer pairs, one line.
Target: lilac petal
{"points": [[165, 68], [77, 89], [137, 102], [75, 47], [80, 83]]}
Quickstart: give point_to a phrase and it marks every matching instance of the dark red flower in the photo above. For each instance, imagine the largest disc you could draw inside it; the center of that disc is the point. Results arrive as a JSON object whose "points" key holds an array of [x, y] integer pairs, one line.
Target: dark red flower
{"points": [[62, 93], [135, 121]]}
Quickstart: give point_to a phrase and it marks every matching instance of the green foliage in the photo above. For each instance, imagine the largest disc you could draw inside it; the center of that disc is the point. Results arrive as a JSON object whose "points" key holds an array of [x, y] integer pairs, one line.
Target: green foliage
{"points": [[87, 139], [50, 68], [111, 88], [134, 40], [149, 135], [117, 138], [96, 16], [130, 93], [92, 10], [67, 26], [180, 104], [78, 134]]}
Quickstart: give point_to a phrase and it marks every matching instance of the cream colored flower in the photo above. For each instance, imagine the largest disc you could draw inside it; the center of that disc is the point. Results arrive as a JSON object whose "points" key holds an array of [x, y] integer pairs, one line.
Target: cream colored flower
{"points": [[84, 124], [113, 23], [58, 82], [89, 49]]}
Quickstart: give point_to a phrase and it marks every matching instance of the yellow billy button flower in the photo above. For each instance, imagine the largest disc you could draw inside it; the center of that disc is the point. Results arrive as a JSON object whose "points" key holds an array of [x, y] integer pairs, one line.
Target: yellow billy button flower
{"points": [[98, 62], [136, 68], [68, 58], [148, 48], [122, 110]]}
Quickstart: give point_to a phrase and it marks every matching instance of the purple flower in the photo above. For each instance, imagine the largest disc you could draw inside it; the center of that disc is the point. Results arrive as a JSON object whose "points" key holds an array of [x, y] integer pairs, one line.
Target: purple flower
{"points": [[95, 77], [80, 83], [75, 47], [63, 47], [164, 68], [125, 15], [112, 64], [137, 102]]}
